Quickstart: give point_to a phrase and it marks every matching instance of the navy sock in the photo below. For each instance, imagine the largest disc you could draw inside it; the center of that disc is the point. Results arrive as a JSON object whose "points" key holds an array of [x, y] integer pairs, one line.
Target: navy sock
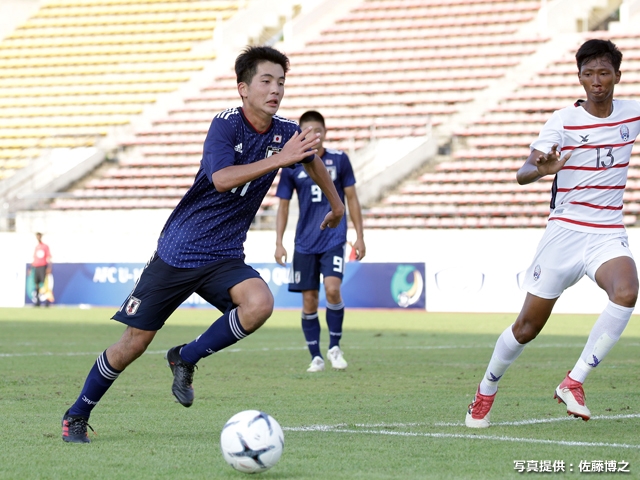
{"points": [[335, 317], [224, 332], [100, 378], [311, 330]]}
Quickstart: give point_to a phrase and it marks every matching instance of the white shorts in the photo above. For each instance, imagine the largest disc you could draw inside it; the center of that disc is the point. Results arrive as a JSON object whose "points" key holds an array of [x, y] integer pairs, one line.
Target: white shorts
{"points": [[564, 256]]}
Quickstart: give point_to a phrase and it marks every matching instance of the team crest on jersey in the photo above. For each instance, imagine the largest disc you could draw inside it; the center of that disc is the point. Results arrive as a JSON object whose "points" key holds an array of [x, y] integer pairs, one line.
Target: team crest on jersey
{"points": [[333, 172], [624, 132], [277, 139], [329, 161], [271, 150], [536, 273], [132, 306]]}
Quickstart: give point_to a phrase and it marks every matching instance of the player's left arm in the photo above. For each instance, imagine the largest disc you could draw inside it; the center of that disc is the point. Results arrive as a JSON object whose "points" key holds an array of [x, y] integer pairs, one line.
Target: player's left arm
{"points": [[319, 174], [355, 212]]}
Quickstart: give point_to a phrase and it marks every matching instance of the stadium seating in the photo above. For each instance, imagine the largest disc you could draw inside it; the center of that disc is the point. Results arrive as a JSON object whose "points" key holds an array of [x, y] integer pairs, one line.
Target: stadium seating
{"points": [[77, 69], [482, 171], [387, 69]]}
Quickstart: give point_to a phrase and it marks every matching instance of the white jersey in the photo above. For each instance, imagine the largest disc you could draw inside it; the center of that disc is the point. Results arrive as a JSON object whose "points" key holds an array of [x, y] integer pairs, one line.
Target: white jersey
{"points": [[587, 193]]}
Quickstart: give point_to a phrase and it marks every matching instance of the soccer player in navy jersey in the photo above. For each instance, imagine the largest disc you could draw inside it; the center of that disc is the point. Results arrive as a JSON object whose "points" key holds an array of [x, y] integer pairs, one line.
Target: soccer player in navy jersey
{"points": [[587, 146], [200, 248], [319, 252]]}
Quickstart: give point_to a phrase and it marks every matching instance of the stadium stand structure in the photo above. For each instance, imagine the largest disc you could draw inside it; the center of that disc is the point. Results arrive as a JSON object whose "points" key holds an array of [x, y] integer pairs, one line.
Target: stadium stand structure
{"points": [[476, 187], [386, 70], [79, 73], [77, 68]]}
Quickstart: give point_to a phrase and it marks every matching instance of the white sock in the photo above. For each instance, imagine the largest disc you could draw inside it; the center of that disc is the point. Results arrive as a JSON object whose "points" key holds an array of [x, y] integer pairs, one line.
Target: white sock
{"points": [[604, 335], [506, 351]]}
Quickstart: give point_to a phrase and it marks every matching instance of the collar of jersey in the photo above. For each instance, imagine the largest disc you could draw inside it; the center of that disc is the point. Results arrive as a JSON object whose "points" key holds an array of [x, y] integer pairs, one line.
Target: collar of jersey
{"points": [[250, 125]]}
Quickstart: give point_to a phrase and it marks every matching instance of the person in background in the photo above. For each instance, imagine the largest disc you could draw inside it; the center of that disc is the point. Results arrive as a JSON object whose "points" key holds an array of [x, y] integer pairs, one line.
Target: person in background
{"points": [[319, 252], [41, 266]]}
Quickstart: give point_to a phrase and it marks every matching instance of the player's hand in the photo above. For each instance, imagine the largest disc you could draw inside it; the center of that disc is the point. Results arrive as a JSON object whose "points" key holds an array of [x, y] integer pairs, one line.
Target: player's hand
{"points": [[360, 249], [331, 220], [551, 163], [281, 255], [299, 147]]}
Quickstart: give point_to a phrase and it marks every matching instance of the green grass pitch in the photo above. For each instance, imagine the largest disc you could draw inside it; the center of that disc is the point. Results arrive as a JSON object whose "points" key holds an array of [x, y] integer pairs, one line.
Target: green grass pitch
{"points": [[396, 413]]}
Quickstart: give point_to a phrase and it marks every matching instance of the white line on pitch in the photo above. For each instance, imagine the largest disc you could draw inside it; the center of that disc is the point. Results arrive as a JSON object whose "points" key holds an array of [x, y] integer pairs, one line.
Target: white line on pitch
{"points": [[333, 429], [535, 421], [461, 424]]}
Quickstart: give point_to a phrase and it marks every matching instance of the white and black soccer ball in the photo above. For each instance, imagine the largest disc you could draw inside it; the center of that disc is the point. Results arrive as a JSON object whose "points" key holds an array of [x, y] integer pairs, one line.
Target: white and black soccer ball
{"points": [[252, 441]]}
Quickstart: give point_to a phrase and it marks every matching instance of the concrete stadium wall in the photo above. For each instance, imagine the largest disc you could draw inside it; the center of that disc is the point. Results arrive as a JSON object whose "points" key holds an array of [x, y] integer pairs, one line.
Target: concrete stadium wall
{"points": [[14, 13], [466, 270]]}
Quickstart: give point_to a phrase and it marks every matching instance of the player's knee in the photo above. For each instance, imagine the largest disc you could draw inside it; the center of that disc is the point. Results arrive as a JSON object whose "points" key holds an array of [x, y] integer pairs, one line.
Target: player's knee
{"points": [[524, 331], [333, 296], [256, 312], [626, 296], [332, 290]]}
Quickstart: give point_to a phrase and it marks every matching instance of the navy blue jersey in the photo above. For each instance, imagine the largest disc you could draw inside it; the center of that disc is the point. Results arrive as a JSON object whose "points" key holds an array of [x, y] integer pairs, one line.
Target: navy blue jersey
{"points": [[208, 225], [314, 206]]}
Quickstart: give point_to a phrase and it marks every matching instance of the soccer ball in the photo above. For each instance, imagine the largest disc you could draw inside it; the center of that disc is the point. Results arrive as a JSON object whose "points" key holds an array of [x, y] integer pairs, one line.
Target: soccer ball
{"points": [[252, 441]]}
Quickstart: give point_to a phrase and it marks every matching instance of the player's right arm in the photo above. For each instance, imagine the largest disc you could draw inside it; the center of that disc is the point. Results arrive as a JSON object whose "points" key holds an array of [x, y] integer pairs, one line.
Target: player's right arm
{"points": [[540, 164], [545, 157], [296, 149], [282, 216]]}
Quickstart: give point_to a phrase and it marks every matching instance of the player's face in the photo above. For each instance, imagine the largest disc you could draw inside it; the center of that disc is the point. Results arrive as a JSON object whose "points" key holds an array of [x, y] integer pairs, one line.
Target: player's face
{"points": [[263, 95], [598, 78], [317, 129]]}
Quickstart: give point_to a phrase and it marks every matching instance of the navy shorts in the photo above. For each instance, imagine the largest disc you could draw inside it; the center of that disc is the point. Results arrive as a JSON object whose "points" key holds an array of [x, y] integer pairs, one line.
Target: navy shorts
{"points": [[162, 288], [307, 268]]}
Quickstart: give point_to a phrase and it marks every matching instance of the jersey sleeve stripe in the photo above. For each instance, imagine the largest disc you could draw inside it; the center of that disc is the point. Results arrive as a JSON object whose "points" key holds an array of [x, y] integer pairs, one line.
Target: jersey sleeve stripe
{"points": [[225, 114]]}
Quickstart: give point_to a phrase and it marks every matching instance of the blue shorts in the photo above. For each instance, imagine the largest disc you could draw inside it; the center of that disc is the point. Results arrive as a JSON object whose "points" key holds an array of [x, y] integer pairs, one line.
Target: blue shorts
{"points": [[162, 288], [306, 270]]}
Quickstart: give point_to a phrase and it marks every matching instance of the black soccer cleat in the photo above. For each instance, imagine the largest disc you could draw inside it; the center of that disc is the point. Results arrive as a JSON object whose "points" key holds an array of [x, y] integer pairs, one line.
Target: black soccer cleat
{"points": [[182, 387], [74, 429]]}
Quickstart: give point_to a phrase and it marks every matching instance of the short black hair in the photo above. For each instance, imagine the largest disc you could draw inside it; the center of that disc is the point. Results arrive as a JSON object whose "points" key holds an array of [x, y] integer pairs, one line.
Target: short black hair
{"points": [[248, 61], [596, 48], [311, 116]]}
